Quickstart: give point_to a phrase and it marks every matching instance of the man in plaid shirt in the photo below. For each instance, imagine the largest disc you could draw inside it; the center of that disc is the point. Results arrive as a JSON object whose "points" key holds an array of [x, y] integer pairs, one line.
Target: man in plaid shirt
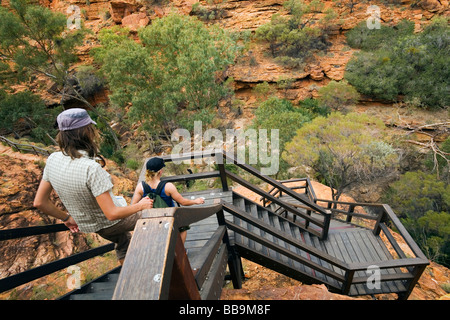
{"points": [[83, 186]]}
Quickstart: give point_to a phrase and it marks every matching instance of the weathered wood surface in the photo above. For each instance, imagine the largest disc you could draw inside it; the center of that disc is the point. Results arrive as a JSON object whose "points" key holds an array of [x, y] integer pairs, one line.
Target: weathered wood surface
{"points": [[147, 268], [182, 284], [200, 232]]}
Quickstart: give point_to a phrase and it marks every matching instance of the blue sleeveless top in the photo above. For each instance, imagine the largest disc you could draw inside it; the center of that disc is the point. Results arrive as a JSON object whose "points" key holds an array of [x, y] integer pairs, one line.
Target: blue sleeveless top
{"points": [[163, 194]]}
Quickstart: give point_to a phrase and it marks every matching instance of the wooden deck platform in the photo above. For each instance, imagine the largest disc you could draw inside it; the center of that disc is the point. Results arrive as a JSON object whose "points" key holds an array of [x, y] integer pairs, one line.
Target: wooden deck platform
{"points": [[346, 242], [200, 232], [290, 231]]}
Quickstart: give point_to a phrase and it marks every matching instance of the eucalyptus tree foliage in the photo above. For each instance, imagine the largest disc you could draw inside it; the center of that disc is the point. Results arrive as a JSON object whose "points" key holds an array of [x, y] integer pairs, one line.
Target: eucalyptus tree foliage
{"points": [[35, 41], [343, 150], [171, 76]]}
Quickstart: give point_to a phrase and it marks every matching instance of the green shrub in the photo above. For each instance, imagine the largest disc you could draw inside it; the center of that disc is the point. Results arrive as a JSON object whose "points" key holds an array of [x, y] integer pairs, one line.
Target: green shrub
{"points": [[361, 37], [280, 114], [170, 75], [313, 107], [294, 39], [411, 65], [423, 203], [338, 95], [133, 164], [342, 150], [27, 110]]}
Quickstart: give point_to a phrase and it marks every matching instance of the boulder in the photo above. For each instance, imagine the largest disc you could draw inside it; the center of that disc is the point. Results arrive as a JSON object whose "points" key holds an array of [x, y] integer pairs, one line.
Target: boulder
{"points": [[121, 8], [316, 73], [432, 5], [135, 21]]}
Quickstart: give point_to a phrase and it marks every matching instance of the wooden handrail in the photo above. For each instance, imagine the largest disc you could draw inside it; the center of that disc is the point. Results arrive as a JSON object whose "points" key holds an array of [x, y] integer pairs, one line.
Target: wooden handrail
{"points": [[321, 224], [414, 265], [46, 269], [386, 213], [277, 184], [403, 232], [307, 186], [291, 240], [26, 147], [223, 156], [156, 255]]}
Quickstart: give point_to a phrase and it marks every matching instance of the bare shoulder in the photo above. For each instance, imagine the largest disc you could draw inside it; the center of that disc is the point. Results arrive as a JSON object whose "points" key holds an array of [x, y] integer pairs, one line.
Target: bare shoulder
{"points": [[170, 188], [139, 188]]}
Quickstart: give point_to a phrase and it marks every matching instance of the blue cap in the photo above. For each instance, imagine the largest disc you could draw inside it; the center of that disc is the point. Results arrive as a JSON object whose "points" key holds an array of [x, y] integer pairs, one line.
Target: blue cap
{"points": [[155, 164]]}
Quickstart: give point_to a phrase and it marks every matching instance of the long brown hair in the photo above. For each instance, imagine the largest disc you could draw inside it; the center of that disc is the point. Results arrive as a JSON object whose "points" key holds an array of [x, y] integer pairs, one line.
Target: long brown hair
{"points": [[84, 138]]}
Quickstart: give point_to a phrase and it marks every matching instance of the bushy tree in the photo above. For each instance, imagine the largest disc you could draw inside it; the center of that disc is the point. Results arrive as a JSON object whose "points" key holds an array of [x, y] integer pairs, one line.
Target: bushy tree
{"points": [[361, 37], [423, 204], [343, 150], [338, 95], [35, 41], [282, 115], [170, 78], [403, 64], [295, 38], [31, 111]]}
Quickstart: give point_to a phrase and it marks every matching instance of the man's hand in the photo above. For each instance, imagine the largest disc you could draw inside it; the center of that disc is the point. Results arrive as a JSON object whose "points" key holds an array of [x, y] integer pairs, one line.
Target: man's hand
{"points": [[199, 201], [72, 225], [146, 203]]}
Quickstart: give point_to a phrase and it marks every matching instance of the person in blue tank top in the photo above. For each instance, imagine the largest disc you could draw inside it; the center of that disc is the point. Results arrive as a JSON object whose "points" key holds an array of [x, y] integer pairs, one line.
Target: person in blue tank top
{"points": [[169, 192]]}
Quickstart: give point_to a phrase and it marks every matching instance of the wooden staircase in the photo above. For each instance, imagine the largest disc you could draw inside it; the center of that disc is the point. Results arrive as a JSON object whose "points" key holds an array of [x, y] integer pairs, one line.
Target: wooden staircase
{"points": [[290, 230], [346, 244]]}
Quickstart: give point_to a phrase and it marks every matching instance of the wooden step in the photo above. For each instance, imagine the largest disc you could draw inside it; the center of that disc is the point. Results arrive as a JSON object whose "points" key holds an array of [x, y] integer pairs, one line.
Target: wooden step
{"points": [[346, 242]]}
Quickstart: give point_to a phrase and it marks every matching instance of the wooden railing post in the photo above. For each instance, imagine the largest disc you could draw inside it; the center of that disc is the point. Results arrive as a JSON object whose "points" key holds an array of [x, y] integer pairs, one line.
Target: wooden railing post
{"points": [[417, 272], [147, 269], [351, 209], [223, 177], [234, 261], [182, 283], [348, 281], [381, 218]]}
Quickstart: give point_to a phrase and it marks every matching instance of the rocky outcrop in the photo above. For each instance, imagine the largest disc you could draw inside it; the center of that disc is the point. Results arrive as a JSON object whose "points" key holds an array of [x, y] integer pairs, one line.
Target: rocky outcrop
{"points": [[135, 21], [119, 9], [437, 6], [21, 174]]}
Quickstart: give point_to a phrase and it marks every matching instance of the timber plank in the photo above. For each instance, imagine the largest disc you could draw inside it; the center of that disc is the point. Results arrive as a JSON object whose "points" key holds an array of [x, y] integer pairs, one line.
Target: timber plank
{"points": [[330, 245], [387, 286], [253, 210], [349, 255], [319, 244], [276, 223], [362, 239], [247, 208], [384, 255], [212, 287], [313, 258], [147, 269], [240, 203], [297, 233], [265, 217], [285, 228]]}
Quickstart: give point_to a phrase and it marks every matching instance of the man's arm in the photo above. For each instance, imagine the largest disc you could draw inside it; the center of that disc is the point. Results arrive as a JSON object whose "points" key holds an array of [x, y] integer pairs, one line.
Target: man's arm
{"points": [[112, 212], [42, 202], [172, 191]]}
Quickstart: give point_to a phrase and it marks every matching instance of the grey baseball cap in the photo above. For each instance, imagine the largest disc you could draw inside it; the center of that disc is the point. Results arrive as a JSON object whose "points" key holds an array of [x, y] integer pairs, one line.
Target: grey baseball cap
{"points": [[73, 119]]}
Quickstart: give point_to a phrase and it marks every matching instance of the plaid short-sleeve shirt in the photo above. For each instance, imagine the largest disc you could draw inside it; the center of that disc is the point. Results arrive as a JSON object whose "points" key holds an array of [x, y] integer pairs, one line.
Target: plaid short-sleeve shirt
{"points": [[78, 182]]}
